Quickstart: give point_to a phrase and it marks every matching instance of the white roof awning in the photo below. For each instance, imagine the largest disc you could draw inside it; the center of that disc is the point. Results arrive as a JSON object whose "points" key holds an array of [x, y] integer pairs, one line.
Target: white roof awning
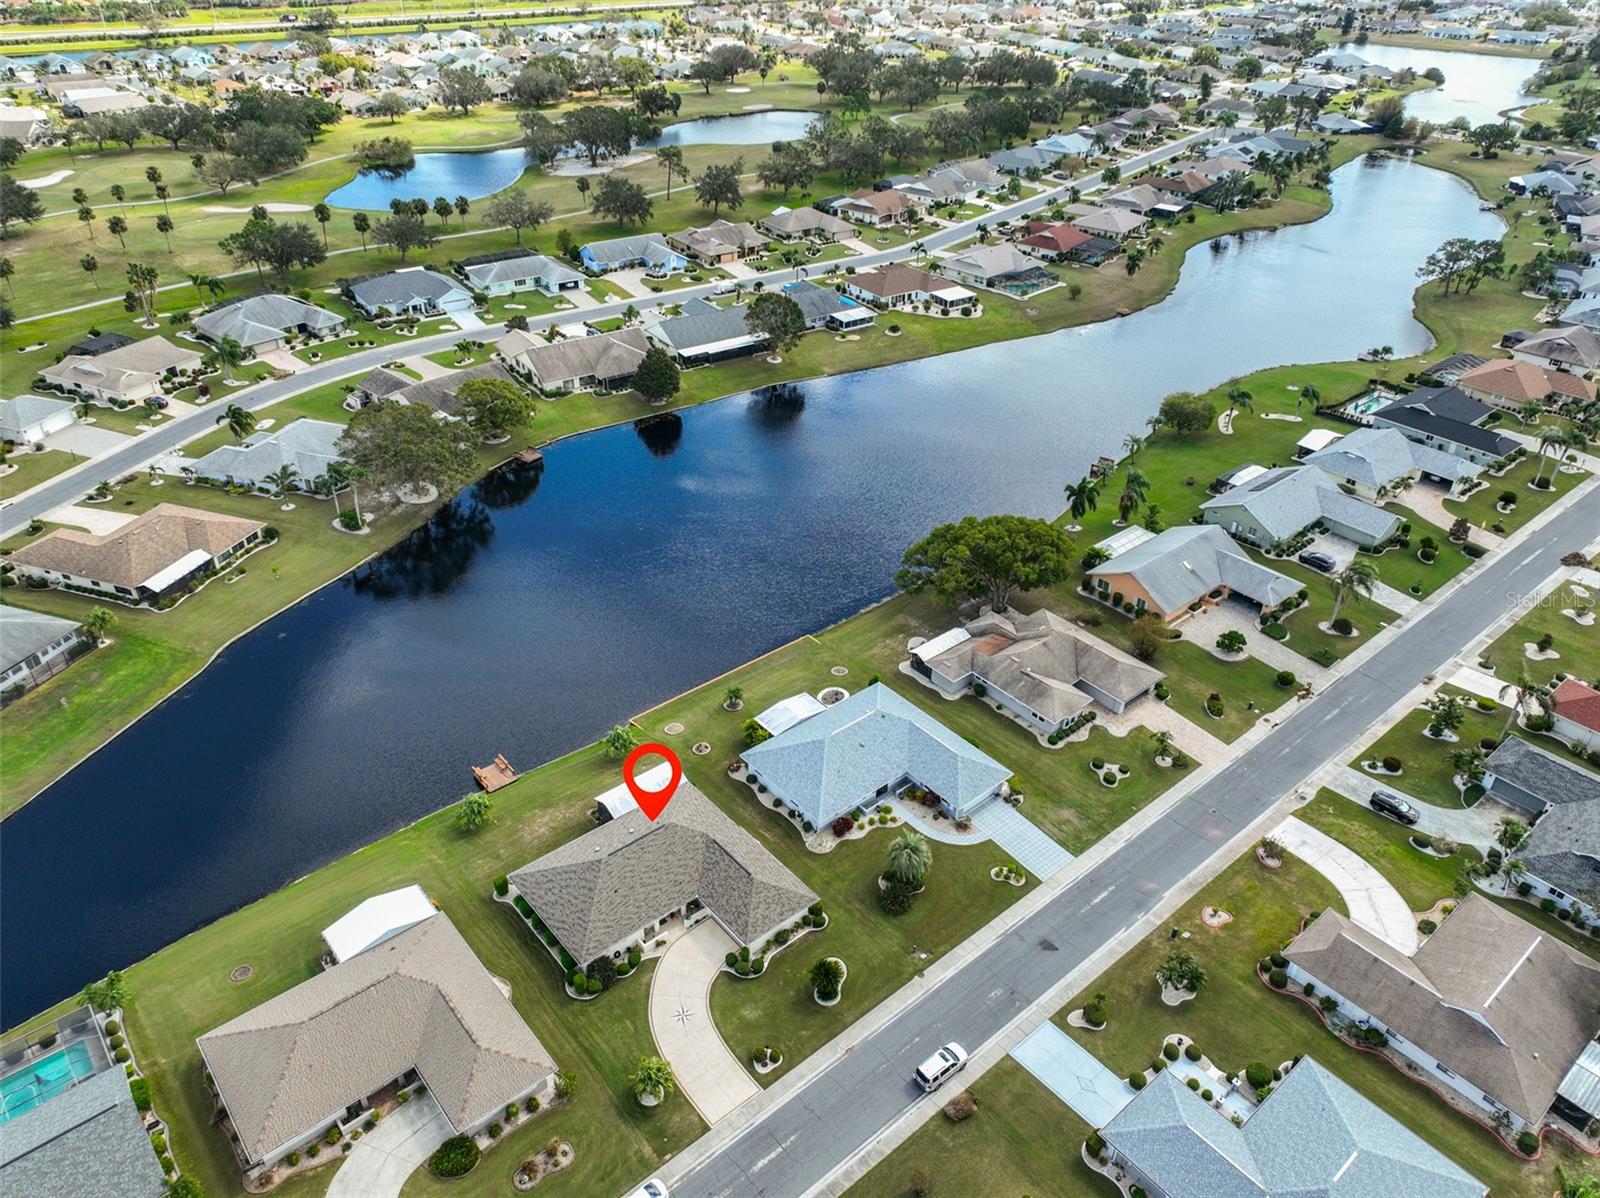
{"points": [[786, 713], [618, 801], [376, 920], [1125, 539], [934, 646], [185, 565], [1317, 438]]}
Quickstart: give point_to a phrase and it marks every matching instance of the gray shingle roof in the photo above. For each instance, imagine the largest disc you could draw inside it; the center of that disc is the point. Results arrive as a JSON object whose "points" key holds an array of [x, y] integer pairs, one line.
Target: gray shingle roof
{"points": [[603, 356], [260, 318], [1542, 774], [87, 1142], [24, 412], [1181, 564], [1285, 500], [403, 287], [1377, 457], [517, 269], [606, 885], [1504, 1005], [1039, 659], [1313, 1137], [307, 445], [706, 325], [418, 1000], [836, 761], [24, 632]]}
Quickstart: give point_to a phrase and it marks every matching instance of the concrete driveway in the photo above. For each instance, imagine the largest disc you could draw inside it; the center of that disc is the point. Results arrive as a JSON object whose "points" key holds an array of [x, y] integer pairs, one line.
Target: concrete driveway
{"points": [[87, 440], [98, 520], [383, 1158], [1475, 825], [1371, 899], [1072, 1074], [709, 1075]]}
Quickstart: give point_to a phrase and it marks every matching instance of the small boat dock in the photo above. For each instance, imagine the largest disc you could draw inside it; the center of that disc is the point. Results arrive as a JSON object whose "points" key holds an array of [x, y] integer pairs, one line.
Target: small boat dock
{"points": [[530, 455], [496, 774]]}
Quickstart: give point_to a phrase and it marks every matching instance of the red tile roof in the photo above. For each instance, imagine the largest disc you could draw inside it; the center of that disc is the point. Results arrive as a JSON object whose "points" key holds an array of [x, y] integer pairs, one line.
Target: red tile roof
{"points": [[1578, 702]]}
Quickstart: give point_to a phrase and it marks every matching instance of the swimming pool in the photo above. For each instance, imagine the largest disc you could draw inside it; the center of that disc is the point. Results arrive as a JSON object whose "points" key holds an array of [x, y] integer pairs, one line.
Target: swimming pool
{"points": [[41, 1080]]}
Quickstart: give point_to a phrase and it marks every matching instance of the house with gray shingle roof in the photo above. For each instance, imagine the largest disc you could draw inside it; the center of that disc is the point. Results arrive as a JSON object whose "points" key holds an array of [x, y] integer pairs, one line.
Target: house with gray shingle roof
{"points": [[266, 322], [517, 271], [1561, 801], [310, 446], [1044, 669], [625, 881], [1373, 462], [418, 1006], [34, 647], [29, 419], [1313, 1135], [867, 748], [1167, 572], [1287, 500], [86, 1142], [604, 361], [649, 250], [412, 291], [706, 333], [1490, 1006]]}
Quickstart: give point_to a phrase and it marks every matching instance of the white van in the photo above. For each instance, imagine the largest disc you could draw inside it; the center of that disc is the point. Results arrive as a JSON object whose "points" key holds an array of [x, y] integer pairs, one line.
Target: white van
{"points": [[940, 1067]]}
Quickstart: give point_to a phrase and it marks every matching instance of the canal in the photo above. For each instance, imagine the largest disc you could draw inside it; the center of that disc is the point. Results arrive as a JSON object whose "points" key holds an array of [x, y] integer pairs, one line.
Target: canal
{"points": [[542, 607]]}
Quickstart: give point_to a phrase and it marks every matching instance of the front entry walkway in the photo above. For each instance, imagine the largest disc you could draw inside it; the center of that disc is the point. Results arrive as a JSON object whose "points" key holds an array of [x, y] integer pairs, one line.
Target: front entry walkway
{"points": [[1020, 838], [1371, 899], [709, 1075], [383, 1158], [1073, 1075]]}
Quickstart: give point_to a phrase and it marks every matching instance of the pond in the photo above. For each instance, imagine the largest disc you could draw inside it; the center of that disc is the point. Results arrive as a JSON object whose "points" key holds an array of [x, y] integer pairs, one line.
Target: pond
{"points": [[543, 607], [1476, 86], [474, 174], [740, 129]]}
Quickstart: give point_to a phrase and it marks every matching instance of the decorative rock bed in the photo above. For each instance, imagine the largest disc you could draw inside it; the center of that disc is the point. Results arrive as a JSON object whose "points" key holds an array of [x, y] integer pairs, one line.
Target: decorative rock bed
{"points": [[673, 729], [829, 695], [1269, 862], [701, 748], [839, 671], [1216, 917], [1004, 873], [241, 973], [557, 1156], [766, 1060], [844, 971], [1533, 653], [1175, 998], [1076, 1019]]}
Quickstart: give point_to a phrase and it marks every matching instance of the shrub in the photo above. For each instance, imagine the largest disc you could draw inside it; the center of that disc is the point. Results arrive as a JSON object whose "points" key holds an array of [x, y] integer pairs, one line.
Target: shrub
{"points": [[1170, 1051], [962, 1106], [1258, 1075], [1285, 678], [1393, 764], [1328, 1003], [1214, 707], [921, 1182], [602, 972], [1094, 1143], [1137, 1081], [895, 898], [1109, 778], [1275, 630], [1194, 1084], [1524, 888], [112, 1027], [1527, 1143], [521, 904], [501, 885], [115, 1042], [293, 1158], [1278, 978], [1343, 626], [494, 1131], [1279, 961], [731, 960], [1427, 927], [1547, 905], [843, 825], [1191, 1051], [456, 1157], [121, 1056]]}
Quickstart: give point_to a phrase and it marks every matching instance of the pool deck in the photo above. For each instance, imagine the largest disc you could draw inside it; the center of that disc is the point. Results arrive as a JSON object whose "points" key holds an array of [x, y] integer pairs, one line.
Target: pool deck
{"points": [[20, 1056]]}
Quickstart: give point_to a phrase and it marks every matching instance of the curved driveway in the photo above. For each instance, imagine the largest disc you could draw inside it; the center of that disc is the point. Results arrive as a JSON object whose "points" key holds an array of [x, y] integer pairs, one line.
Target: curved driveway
{"points": [[70, 486], [708, 1073]]}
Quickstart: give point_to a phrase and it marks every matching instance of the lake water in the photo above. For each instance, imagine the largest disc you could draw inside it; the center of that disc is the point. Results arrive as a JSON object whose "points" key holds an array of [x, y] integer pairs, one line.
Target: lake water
{"points": [[541, 608], [1476, 86], [480, 173]]}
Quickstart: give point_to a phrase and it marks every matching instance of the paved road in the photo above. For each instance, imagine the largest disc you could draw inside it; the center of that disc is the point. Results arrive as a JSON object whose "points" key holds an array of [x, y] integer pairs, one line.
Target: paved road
{"points": [[68, 488], [797, 1144]]}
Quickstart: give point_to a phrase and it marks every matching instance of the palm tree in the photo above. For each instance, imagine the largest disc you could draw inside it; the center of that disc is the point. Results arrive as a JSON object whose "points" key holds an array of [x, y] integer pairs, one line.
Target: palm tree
{"points": [[90, 264], [241, 422], [341, 475], [1082, 497], [1531, 411], [323, 215], [1549, 438], [204, 284], [910, 858], [670, 159], [1577, 1185], [97, 622], [464, 348], [1134, 489], [1310, 394], [1131, 445], [652, 1079], [1238, 397], [282, 479], [1356, 581], [83, 409], [1518, 691], [229, 355], [1163, 743]]}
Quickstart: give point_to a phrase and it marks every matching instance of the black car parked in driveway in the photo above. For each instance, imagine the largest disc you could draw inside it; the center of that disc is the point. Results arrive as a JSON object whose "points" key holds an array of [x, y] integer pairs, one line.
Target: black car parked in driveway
{"points": [[1317, 561], [1393, 806]]}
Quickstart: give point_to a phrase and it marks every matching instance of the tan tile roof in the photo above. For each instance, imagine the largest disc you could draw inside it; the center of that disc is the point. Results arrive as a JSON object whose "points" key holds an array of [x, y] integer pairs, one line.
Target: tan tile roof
{"points": [[140, 549], [1491, 996], [419, 1000], [121, 369], [609, 883], [1521, 381], [895, 279]]}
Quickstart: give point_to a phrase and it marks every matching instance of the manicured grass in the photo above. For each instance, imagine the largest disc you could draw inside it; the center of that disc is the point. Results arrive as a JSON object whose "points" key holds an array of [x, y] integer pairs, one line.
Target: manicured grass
{"points": [[1479, 508], [1402, 569], [184, 990], [881, 953], [1305, 637], [1421, 879], [1237, 1019], [33, 469], [1579, 646], [1426, 762], [1022, 1140], [50, 728]]}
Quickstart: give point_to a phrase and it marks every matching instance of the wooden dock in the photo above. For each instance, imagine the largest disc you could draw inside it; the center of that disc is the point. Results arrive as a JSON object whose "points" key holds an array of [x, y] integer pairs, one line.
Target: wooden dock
{"points": [[496, 774], [530, 455]]}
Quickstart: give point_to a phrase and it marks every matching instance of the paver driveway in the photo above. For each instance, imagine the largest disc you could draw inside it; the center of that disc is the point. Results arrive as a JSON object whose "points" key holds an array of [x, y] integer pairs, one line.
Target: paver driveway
{"points": [[680, 1020]]}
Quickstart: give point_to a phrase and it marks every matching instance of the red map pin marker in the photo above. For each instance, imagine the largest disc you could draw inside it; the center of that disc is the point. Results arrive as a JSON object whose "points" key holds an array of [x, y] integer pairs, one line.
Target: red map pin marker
{"points": [[652, 802]]}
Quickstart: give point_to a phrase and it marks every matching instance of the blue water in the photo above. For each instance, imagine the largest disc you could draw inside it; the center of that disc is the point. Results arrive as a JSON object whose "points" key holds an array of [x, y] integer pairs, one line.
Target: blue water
{"points": [[41, 1080], [741, 129], [473, 175], [1476, 86], [540, 609]]}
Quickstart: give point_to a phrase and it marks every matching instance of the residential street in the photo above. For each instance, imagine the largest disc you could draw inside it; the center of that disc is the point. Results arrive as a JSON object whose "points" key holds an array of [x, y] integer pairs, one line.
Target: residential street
{"points": [[795, 1147], [72, 485]]}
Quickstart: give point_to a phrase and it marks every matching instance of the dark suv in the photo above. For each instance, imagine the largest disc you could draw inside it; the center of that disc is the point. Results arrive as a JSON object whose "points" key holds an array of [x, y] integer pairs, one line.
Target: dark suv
{"points": [[1393, 806], [1317, 561]]}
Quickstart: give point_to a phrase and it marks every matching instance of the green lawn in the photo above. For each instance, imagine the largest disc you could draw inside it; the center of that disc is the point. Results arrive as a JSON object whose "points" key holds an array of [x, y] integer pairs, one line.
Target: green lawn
{"points": [[1479, 508], [1402, 569], [1579, 646], [1426, 762], [1305, 637], [184, 990], [33, 469], [1421, 879]]}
